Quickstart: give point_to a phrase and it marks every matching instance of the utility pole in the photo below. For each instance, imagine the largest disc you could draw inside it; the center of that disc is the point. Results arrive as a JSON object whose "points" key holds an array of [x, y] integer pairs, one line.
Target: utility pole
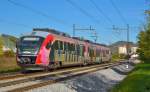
{"points": [[85, 29], [128, 35], [128, 39], [74, 30], [95, 36]]}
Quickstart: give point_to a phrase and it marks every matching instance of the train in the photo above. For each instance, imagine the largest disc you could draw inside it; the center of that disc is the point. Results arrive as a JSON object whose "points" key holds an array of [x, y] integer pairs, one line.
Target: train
{"points": [[46, 48]]}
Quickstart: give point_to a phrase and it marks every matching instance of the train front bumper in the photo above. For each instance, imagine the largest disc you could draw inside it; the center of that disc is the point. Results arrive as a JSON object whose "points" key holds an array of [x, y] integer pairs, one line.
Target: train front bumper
{"points": [[32, 66], [29, 63]]}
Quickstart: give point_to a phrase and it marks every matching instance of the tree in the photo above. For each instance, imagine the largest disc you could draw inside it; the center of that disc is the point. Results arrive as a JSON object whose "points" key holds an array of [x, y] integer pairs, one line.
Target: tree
{"points": [[1, 46], [144, 43]]}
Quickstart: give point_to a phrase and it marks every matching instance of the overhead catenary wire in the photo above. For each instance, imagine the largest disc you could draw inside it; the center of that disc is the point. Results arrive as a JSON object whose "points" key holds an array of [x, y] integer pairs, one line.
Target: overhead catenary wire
{"points": [[15, 23], [83, 11], [52, 18], [119, 12], [100, 11]]}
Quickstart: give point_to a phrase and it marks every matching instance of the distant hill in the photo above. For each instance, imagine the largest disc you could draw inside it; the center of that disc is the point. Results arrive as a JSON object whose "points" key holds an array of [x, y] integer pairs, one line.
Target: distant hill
{"points": [[114, 46], [8, 41], [120, 43]]}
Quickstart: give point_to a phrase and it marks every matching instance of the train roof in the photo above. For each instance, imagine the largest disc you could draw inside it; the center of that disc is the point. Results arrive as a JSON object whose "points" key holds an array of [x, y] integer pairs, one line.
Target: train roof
{"points": [[53, 31]]}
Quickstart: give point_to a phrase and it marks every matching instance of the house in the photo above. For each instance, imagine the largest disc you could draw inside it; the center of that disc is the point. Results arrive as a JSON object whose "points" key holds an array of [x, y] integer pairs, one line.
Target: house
{"points": [[120, 47]]}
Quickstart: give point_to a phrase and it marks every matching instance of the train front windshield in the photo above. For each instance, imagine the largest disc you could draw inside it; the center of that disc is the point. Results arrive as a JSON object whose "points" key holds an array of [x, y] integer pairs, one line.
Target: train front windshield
{"points": [[29, 45]]}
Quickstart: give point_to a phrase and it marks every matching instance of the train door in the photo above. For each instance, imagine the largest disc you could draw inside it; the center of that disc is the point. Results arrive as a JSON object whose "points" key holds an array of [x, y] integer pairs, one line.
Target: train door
{"points": [[72, 52], [81, 53], [97, 56], [101, 55], [65, 51], [56, 54]]}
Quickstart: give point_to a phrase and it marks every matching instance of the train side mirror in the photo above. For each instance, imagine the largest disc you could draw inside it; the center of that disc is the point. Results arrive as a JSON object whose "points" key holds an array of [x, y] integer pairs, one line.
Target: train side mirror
{"points": [[48, 45]]}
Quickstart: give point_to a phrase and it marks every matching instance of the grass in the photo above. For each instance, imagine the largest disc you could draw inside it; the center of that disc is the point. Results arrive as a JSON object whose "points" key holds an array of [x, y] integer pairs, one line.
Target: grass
{"points": [[137, 81], [8, 64]]}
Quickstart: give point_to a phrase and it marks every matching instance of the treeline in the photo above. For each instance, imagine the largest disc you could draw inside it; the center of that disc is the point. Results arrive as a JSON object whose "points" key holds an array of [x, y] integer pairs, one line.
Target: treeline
{"points": [[144, 42]]}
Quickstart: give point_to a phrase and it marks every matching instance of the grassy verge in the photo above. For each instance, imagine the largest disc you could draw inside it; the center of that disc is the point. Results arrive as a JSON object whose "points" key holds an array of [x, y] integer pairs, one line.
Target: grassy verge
{"points": [[137, 81], [8, 64]]}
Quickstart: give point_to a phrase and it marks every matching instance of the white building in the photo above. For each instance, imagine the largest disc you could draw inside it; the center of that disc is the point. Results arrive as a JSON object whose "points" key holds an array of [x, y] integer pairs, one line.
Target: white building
{"points": [[5, 48], [123, 49], [8, 49], [134, 49]]}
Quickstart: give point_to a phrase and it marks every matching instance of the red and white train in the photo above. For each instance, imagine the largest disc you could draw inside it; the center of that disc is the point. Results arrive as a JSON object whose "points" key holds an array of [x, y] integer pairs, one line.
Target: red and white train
{"points": [[48, 48]]}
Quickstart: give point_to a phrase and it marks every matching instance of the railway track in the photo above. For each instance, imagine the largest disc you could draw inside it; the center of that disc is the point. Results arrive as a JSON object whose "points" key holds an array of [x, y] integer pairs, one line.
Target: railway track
{"points": [[35, 80]]}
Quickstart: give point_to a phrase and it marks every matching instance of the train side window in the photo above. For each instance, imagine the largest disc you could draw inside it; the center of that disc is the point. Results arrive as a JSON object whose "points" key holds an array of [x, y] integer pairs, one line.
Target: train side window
{"points": [[56, 45], [83, 51], [101, 52], [48, 45], [90, 52], [78, 50], [72, 47], [97, 52], [60, 45], [65, 46], [104, 53], [68, 46]]}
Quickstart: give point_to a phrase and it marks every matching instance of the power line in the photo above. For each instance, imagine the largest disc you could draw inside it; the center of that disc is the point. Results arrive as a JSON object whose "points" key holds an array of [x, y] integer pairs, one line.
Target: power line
{"points": [[81, 29], [15, 23], [39, 12], [118, 11], [100, 11], [128, 36], [83, 11]]}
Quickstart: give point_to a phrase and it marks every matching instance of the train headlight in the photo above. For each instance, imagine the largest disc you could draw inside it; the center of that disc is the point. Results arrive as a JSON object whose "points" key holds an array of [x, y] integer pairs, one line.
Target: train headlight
{"points": [[36, 52]]}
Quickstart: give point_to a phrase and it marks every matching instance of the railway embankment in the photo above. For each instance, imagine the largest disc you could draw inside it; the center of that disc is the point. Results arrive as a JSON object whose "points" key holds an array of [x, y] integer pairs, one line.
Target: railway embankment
{"points": [[99, 81], [8, 65], [137, 81]]}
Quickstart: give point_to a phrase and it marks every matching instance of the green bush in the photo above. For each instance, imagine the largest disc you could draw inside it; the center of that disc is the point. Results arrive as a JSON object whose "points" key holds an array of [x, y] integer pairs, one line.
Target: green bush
{"points": [[144, 43], [9, 53], [116, 56], [1, 46]]}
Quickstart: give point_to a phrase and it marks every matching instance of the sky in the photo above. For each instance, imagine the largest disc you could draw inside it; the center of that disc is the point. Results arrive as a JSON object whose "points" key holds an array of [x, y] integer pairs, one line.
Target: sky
{"points": [[21, 16]]}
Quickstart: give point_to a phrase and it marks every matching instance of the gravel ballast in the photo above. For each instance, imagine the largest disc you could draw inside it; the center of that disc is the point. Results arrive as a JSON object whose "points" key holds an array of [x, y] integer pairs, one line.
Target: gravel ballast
{"points": [[100, 81]]}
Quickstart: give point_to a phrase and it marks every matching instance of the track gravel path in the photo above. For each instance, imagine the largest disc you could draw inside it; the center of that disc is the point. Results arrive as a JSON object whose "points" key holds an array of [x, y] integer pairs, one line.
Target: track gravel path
{"points": [[100, 81]]}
